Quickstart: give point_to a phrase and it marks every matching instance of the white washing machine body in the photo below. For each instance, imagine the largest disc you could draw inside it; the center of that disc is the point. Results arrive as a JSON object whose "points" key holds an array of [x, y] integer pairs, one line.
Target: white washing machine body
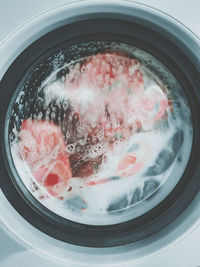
{"points": [[177, 244]]}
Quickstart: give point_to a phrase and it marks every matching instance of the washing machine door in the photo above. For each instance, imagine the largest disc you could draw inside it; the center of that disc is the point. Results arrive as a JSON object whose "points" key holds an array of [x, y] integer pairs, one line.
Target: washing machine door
{"points": [[100, 127]]}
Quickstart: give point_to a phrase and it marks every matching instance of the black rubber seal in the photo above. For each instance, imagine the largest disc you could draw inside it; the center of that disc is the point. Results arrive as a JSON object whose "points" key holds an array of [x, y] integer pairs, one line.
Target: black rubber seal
{"points": [[170, 53]]}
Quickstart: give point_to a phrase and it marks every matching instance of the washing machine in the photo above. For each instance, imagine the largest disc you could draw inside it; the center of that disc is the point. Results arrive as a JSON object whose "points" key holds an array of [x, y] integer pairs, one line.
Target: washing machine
{"points": [[100, 133]]}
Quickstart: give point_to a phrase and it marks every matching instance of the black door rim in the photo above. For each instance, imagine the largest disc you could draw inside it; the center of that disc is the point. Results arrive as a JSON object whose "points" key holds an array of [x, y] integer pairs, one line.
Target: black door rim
{"points": [[173, 56]]}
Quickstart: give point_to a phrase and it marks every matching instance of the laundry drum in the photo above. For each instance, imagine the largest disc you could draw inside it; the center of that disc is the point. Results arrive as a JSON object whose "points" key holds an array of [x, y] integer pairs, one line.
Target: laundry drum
{"points": [[100, 124]]}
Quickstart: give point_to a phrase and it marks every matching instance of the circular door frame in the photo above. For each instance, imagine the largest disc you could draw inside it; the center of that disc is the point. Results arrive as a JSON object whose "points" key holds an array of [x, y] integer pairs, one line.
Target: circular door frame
{"points": [[154, 18]]}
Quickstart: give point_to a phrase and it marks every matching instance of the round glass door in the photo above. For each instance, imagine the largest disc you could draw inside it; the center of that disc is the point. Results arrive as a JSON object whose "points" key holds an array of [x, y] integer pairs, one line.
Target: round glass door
{"points": [[99, 133]]}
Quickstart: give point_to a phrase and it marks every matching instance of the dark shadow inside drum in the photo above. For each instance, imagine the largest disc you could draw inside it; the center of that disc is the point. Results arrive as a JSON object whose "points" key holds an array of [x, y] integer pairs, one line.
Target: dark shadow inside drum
{"points": [[115, 183]]}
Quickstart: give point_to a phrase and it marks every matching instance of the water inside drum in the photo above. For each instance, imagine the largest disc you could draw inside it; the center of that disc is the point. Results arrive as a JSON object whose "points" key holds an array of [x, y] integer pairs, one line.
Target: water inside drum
{"points": [[97, 129]]}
